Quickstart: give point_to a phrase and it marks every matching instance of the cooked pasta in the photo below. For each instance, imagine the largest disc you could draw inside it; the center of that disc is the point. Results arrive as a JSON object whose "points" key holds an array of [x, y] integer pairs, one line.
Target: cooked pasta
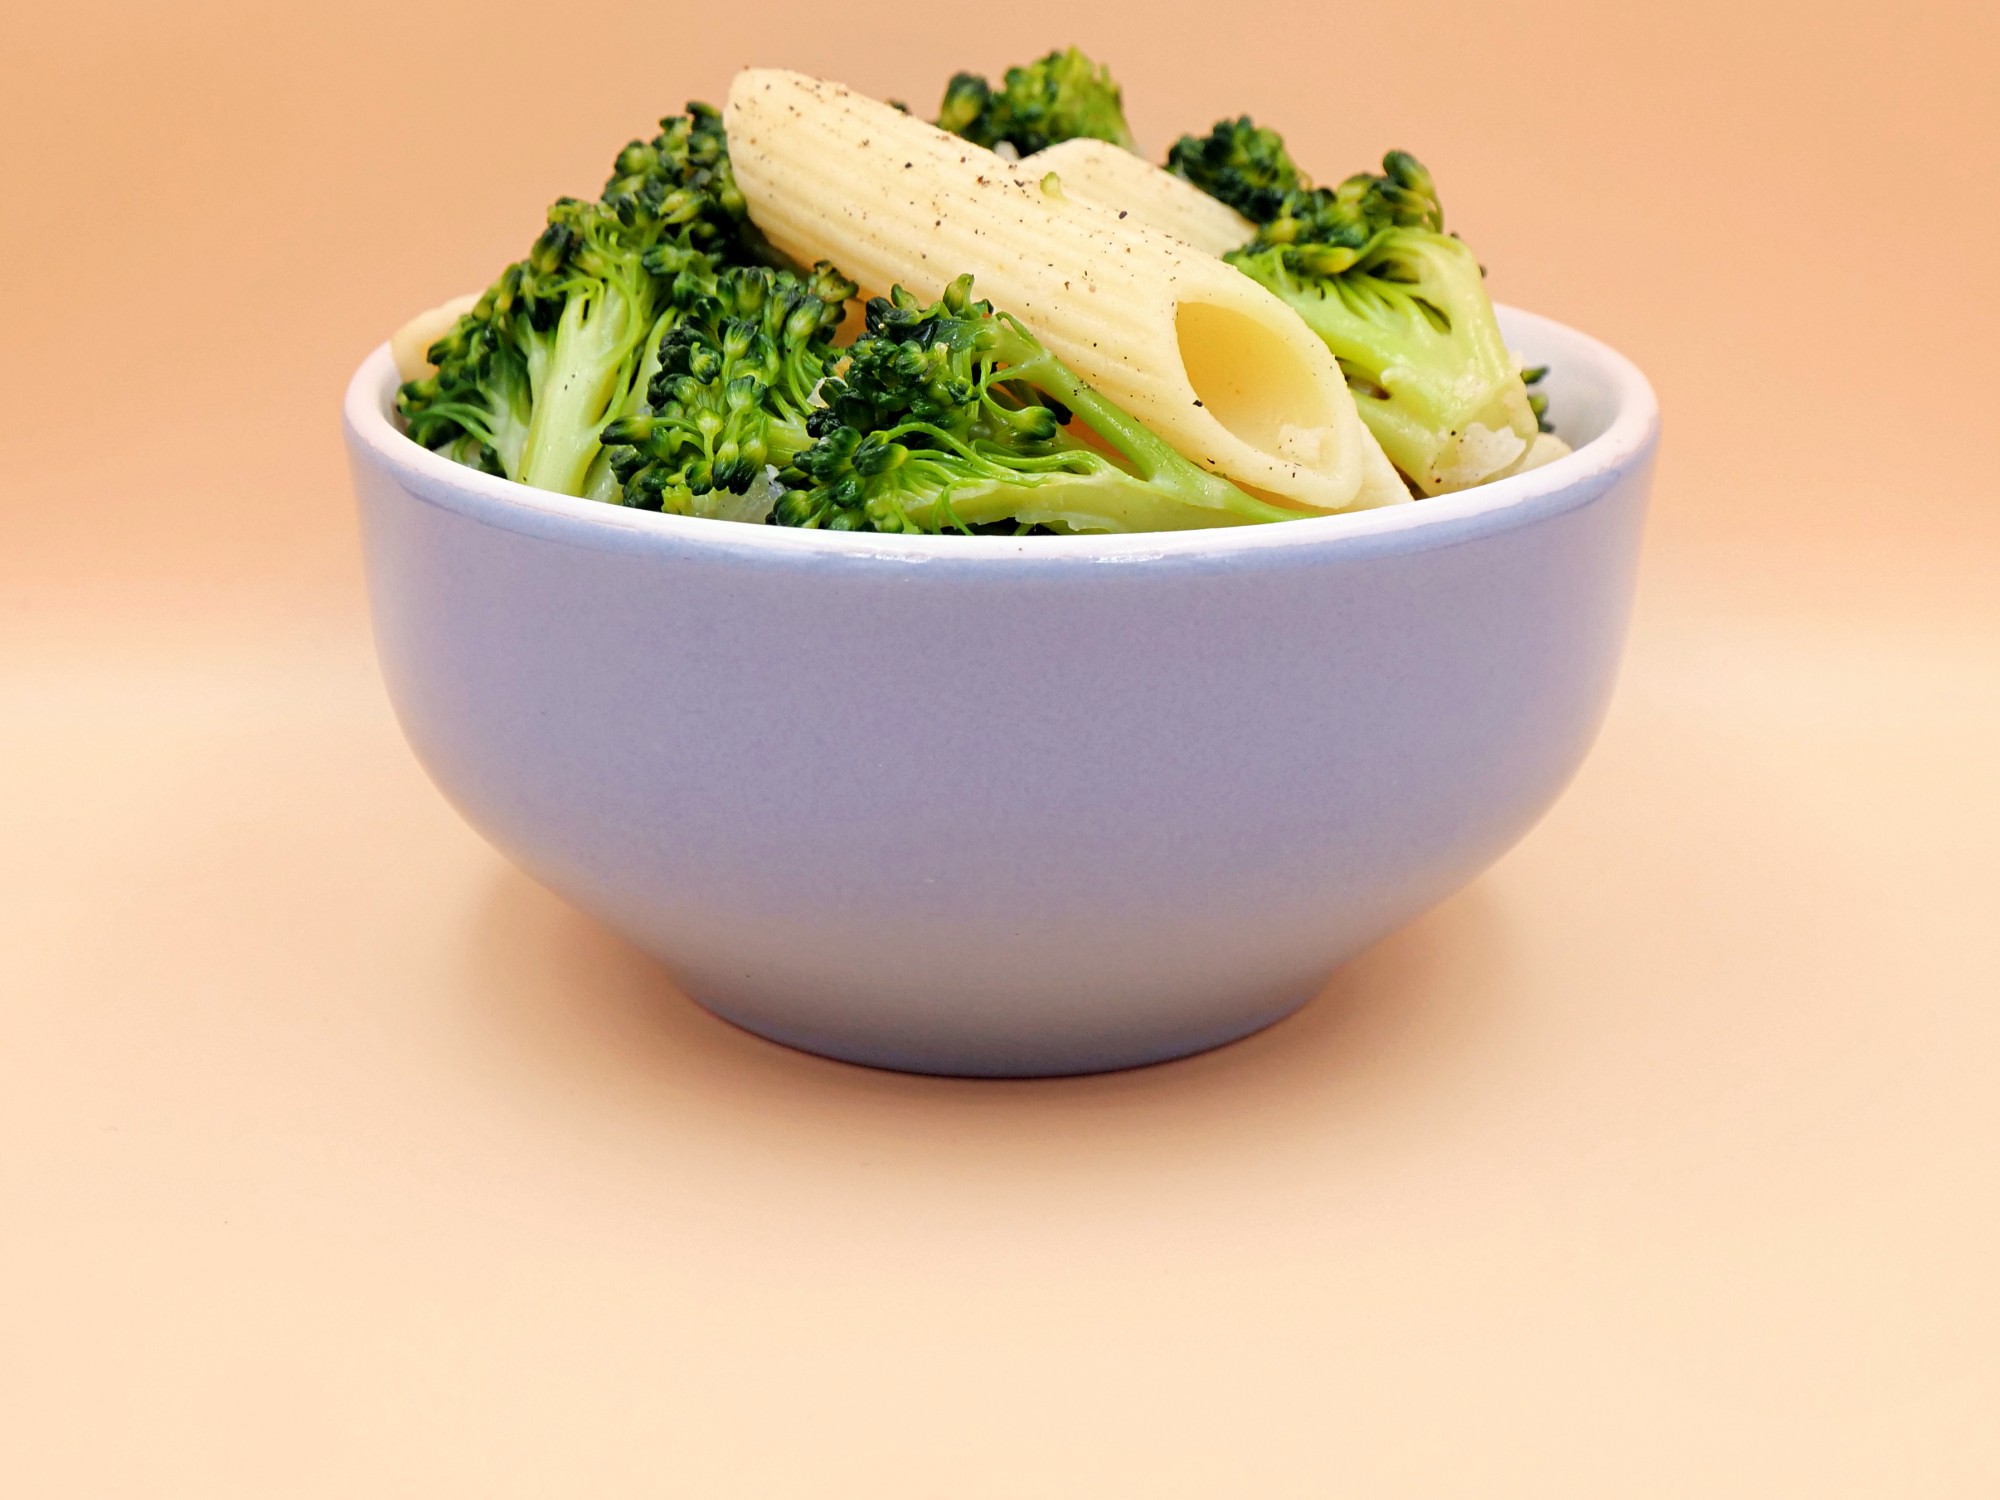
{"points": [[1115, 178], [1214, 363]]}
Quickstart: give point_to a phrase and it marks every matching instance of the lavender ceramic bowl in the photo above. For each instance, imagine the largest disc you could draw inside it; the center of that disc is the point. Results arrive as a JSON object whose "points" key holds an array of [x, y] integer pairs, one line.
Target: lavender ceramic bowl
{"points": [[997, 806]]}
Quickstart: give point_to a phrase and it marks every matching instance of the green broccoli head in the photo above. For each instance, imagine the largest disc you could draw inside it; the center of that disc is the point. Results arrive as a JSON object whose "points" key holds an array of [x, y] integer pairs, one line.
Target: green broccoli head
{"points": [[566, 339], [1241, 163], [476, 407], [953, 417], [549, 353], [737, 376], [1348, 216], [1063, 96], [1401, 303], [682, 178]]}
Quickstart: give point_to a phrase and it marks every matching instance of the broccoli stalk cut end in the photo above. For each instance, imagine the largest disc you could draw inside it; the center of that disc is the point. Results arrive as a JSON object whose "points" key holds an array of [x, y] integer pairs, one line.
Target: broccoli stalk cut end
{"points": [[1241, 163]]}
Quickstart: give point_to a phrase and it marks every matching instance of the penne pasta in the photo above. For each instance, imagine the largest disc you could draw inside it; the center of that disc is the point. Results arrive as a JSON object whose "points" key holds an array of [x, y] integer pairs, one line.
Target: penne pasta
{"points": [[1543, 448], [1113, 177], [1212, 362]]}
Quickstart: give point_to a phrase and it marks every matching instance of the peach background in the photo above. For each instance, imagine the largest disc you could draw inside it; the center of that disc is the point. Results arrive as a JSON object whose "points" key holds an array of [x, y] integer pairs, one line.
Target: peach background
{"points": [[337, 1160]]}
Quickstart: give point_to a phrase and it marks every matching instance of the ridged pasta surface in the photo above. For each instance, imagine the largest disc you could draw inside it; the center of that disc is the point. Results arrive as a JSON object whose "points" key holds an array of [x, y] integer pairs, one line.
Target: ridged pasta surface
{"points": [[1211, 361]]}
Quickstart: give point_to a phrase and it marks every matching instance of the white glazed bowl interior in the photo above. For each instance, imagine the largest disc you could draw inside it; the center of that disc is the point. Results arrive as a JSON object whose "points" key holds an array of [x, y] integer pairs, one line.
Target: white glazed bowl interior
{"points": [[995, 805]]}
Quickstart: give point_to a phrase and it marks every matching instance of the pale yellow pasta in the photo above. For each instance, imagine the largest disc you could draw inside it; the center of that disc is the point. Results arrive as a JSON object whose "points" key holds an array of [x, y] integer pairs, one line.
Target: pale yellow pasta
{"points": [[1117, 179], [1114, 177], [409, 345], [1543, 448], [1212, 362]]}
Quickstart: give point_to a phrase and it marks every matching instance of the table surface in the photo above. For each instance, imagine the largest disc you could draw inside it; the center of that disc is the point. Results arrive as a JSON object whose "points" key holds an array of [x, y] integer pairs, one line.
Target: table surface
{"points": [[338, 1159]]}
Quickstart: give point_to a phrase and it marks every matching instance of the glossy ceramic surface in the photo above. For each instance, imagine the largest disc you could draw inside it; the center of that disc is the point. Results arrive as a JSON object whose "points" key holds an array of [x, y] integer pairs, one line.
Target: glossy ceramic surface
{"points": [[998, 806]]}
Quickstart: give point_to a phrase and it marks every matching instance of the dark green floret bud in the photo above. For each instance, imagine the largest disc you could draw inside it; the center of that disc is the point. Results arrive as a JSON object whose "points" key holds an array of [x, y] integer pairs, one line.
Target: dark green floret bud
{"points": [[682, 177], [1538, 400], [734, 391], [1060, 97], [1241, 163], [965, 102]]}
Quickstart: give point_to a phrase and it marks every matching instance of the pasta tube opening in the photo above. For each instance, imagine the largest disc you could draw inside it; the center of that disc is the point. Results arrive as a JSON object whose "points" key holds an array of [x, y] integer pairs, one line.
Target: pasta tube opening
{"points": [[1254, 381]]}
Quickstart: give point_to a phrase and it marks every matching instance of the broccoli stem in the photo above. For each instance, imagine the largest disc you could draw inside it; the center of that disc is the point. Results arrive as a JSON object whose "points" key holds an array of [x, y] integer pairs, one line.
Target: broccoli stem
{"points": [[1157, 468], [587, 371], [599, 482], [1102, 498]]}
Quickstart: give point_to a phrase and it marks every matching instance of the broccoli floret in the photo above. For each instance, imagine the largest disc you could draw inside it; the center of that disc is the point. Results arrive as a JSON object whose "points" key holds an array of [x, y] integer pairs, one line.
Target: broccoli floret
{"points": [[565, 340], [1538, 401], [1402, 304], [475, 407], [1242, 164], [682, 177], [954, 417], [736, 380], [1061, 97]]}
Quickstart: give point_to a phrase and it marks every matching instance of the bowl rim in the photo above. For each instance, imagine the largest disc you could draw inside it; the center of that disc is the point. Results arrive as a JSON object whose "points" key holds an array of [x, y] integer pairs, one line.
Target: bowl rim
{"points": [[1439, 520]]}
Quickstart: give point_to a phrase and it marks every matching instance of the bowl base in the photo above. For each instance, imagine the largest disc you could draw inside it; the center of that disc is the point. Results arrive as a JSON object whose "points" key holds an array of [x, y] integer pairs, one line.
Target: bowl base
{"points": [[1010, 1057]]}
